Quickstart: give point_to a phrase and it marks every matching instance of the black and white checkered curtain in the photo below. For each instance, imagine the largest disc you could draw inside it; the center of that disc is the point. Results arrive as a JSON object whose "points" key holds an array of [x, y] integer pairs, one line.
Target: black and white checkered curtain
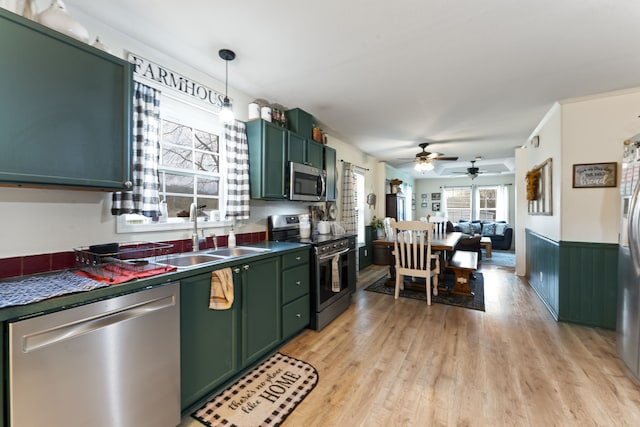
{"points": [[349, 214], [143, 198], [237, 170]]}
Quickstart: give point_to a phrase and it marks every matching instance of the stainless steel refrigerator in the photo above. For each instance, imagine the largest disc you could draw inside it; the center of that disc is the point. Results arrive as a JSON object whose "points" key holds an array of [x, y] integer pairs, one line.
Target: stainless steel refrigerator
{"points": [[628, 318]]}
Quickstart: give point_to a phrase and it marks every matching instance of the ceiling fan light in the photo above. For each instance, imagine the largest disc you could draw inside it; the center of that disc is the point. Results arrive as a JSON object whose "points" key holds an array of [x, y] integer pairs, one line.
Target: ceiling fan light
{"points": [[423, 165]]}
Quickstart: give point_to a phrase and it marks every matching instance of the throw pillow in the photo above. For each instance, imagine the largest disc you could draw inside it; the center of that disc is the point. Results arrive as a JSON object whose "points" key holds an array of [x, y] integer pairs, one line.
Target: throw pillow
{"points": [[476, 227], [465, 227], [489, 228], [501, 227]]}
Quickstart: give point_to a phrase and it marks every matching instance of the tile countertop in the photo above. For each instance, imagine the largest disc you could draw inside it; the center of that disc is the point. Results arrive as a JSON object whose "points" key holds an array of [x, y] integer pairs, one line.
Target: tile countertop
{"points": [[104, 292]]}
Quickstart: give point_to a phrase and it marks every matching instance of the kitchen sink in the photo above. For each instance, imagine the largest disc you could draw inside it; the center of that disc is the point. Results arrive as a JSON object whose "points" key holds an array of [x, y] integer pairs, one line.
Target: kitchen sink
{"points": [[238, 251], [190, 260]]}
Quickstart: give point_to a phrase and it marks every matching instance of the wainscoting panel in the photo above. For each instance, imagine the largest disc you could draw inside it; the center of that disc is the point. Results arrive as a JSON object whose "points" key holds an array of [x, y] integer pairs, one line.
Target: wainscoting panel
{"points": [[577, 281], [589, 283], [543, 269]]}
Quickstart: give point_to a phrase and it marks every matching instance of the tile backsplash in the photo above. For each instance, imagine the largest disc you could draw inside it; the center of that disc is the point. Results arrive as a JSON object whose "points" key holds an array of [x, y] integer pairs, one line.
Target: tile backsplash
{"points": [[43, 263]]}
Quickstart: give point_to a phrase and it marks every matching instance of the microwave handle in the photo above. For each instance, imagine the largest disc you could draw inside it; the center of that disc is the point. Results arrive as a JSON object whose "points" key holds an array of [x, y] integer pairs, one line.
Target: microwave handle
{"points": [[323, 186]]}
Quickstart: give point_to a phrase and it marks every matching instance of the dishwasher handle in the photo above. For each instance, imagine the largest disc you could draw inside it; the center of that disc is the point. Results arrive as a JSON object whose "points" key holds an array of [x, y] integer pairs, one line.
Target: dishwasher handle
{"points": [[36, 340]]}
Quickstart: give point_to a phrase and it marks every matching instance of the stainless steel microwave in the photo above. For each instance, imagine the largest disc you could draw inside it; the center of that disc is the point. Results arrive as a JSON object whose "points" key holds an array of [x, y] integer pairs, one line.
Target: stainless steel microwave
{"points": [[307, 183]]}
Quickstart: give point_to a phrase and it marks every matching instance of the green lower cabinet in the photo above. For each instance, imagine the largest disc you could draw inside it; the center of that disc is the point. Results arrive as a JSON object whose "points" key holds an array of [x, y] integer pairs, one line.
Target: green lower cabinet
{"points": [[295, 316], [208, 340], [260, 330], [296, 305]]}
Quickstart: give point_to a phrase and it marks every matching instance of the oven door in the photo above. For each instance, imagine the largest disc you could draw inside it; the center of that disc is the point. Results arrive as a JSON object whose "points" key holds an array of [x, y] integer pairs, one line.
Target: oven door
{"points": [[326, 291]]}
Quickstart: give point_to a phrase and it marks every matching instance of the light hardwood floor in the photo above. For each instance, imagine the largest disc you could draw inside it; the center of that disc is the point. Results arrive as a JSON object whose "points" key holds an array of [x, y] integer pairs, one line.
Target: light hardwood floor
{"points": [[388, 363]]}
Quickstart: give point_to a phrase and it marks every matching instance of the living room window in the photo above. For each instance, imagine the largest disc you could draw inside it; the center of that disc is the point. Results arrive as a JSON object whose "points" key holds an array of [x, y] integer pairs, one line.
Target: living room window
{"points": [[486, 203], [457, 203]]}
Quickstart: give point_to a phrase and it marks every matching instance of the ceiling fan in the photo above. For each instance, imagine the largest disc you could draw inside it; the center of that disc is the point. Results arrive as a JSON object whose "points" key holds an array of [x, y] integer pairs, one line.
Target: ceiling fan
{"points": [[424, 158], [472, 171]]}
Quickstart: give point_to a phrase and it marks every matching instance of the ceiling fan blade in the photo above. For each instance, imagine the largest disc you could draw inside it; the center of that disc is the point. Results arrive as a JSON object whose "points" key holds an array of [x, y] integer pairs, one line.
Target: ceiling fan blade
{"points": [[445, 158]]}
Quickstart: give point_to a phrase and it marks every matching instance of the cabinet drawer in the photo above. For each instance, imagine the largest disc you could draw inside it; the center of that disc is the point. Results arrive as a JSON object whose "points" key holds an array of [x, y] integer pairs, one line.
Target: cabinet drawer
{"points": [[295, 283], [295, 316], [295, 259]]}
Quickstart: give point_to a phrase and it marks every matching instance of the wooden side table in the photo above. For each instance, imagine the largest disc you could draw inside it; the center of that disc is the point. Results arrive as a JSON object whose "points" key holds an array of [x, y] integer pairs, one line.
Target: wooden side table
{"points": [[486, 243]]}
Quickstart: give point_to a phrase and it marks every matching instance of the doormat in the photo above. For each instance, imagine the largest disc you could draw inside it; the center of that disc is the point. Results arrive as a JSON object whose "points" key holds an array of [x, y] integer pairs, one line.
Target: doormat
{"points": [[263, 397], [475, 303]]}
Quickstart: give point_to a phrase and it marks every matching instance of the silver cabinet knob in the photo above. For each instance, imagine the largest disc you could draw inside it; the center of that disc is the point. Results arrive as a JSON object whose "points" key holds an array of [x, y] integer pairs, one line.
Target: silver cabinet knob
{"points": [[245, 267], [236, 270], [127, 184]]}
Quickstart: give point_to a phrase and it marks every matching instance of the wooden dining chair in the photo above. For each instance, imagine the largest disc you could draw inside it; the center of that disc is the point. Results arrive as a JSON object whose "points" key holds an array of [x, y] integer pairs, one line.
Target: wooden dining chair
{"points": [[412, 250]]}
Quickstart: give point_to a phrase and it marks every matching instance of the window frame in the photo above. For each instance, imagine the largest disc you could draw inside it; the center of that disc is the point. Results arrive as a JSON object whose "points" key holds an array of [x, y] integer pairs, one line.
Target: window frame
{"points": [[199, 118]]}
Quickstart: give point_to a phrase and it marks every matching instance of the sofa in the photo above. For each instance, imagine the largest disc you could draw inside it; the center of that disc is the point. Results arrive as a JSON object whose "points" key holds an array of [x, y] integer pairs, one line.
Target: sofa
{"points": [[500, 232]]}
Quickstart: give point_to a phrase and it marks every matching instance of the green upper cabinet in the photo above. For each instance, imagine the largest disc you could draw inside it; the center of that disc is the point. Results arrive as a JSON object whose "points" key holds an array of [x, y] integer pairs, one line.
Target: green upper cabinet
{"points": [[297, 148], [304, 150], [332, 172], [208, 340], [260, 284], [65, 110], [315, 154], [267, 162]]}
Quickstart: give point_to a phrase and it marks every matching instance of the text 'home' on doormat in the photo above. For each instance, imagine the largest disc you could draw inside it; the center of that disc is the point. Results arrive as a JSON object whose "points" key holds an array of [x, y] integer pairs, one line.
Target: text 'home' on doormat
{"points": [[263, 397]]}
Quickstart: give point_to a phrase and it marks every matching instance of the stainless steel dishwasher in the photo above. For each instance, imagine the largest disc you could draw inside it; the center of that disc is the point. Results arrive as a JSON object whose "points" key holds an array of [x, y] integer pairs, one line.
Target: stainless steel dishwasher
{"points": [[111, 363]]}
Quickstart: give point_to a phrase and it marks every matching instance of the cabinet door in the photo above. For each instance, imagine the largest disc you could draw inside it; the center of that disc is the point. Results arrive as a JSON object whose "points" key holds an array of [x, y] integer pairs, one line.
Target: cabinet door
{"points": [[330, 167], [315, 154], [296, 149], [208, 340], [260, 281], [64, 110], [267, 160]]}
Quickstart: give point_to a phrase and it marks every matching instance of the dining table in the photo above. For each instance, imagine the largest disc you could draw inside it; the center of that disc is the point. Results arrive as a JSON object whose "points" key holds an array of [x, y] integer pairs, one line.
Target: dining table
{"points": [[443, 243]]}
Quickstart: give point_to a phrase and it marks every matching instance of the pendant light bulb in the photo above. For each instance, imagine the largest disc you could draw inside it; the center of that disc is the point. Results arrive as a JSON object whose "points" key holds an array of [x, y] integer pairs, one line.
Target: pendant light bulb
{"points": [[226, 112]]}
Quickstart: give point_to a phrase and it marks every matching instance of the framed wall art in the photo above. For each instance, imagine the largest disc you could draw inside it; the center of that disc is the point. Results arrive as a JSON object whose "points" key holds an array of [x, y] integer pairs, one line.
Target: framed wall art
{"points": [[435, 197], [435, 206], [590, 175], [539, 197]]}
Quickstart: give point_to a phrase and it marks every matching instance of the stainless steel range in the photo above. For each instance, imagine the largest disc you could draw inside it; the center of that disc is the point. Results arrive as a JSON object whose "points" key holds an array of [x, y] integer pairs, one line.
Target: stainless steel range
{"points": [[331, 271]]}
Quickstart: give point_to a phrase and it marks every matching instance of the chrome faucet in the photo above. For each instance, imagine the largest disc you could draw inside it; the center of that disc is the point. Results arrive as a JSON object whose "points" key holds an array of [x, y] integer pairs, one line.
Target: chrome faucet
{"points": [[193, 215]]}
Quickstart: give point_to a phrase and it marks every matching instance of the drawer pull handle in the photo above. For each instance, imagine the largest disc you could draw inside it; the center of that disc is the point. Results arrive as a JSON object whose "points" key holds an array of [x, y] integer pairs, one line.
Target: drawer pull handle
{"points": [[298, 315], [245, 267], [298, 283], [236, 270], [298, 258]]}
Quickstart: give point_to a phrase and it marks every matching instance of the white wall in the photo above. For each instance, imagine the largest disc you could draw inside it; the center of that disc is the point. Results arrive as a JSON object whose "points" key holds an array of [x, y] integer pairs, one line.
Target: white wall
{"points": [[36, 221], [550, 133], [363, 161], [593, 131]]}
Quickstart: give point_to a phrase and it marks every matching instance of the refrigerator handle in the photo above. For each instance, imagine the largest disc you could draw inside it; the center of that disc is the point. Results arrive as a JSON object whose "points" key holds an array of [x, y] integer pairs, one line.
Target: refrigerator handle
{"points": [[632, 224]]}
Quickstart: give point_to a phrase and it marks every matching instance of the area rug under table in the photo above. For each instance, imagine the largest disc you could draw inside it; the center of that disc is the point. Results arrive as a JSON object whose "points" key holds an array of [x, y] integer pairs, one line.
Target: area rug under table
{"points": [[475, 302], [263, 397]]}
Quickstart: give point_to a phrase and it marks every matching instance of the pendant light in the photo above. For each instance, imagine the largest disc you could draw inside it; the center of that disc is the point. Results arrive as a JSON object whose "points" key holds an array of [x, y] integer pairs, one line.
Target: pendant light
{"points": [[226, 113]]}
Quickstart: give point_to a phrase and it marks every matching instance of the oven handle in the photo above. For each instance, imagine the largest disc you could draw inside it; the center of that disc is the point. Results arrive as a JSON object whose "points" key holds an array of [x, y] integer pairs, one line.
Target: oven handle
{"points": [[342, 252]]}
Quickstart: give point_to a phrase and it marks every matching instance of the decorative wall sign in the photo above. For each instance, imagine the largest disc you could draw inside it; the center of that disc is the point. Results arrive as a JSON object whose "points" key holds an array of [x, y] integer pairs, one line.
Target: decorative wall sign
{"points": [[166, 78], [539, 187], [435, 206], [435, 197], [591, 175], [424, 204]]}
